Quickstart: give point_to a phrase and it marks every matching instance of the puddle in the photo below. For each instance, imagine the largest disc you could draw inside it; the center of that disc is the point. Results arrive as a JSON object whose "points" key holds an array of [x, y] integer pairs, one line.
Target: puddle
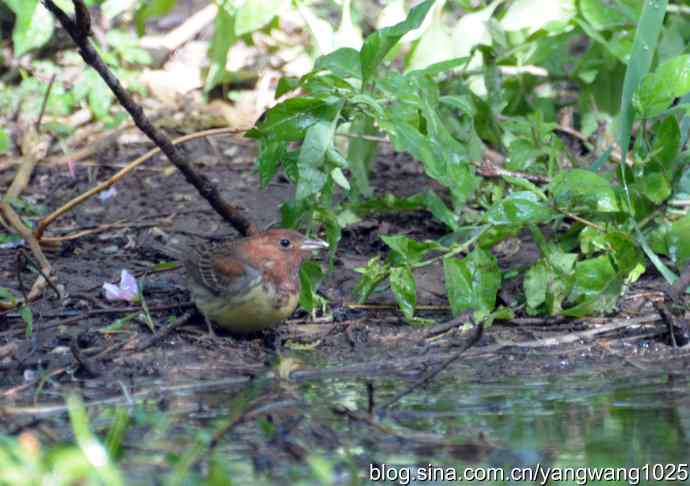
{"points": [[594, 421], [319, 431]]}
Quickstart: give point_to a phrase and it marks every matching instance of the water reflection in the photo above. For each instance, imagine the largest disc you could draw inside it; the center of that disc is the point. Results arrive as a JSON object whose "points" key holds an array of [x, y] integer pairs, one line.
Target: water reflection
{"points": [[567, 422]]}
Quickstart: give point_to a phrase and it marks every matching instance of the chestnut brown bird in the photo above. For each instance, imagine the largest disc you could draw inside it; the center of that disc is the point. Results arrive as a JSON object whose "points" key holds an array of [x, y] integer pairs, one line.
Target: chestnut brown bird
{"points": [[249, 284]]}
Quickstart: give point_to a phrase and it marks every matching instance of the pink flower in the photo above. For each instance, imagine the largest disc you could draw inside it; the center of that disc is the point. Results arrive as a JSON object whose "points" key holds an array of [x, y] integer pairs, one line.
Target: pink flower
{"points": [[127, 290], [71, 168]]}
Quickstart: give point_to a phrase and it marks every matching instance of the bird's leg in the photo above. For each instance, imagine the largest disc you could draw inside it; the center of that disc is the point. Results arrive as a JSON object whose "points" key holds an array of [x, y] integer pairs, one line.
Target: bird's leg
{"points": [[211, 332]]}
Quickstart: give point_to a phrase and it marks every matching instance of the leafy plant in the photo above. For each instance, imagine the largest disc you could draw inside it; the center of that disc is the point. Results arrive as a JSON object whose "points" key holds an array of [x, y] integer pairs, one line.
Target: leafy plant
{"points": [[442, 89], [600, 218], [33, 29]]}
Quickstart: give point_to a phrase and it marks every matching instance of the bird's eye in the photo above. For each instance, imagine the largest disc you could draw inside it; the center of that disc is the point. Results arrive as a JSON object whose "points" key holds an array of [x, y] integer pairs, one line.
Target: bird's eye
{"points": [[285, 243]]}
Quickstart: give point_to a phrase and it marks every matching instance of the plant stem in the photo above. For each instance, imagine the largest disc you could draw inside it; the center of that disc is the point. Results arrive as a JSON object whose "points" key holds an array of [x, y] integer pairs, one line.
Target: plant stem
{"points": [[460, 249]]}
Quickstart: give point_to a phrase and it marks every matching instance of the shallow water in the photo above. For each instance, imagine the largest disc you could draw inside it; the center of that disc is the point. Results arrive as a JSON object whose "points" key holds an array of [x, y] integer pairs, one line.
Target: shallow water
{"points": [[637, 427], [624, 425]]}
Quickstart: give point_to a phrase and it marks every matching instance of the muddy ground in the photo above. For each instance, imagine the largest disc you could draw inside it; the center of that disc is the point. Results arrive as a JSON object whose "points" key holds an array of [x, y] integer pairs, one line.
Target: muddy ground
{"points": [[76, 342]]}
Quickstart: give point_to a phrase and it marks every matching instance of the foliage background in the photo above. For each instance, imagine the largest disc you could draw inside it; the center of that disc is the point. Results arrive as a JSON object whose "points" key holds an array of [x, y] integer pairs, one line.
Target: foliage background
{"points": [[445, 81]]}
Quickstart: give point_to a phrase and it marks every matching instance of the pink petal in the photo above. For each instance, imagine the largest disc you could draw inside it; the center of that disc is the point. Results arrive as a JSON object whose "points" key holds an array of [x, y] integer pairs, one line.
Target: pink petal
{"points": [[126, 290], [128, 284], [112, 292], [70, 167]]}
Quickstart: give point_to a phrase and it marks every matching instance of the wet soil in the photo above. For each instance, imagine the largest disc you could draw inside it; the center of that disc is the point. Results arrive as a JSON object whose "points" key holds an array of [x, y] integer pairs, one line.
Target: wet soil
{"points": [[79, 342]]}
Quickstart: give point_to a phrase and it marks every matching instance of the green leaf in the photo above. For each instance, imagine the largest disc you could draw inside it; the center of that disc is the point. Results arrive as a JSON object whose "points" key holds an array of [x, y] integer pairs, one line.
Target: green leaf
{"points": [[310, 274], [104, 469], [599, 281], [549, 281], [667, 141], [596, 288], [677, 240], [472, 282], [254, 14], [361, 153], [289, 120], [333, 233], [443, 158], [33, 26], [535, 285], [5, 141], [285, 85], [325, 84], [412, 251], [296, 213], [404, 289], [6, 295], [224, 37], [151, 9], [658, 90], [373, 106], [335, 157], [496, 233], [624, 252], [580, 188], [463, 103], [271, 153], [117, 432], [28, 318], [520, 208], [343, 62], [644, 45], [378, 43], [100, 97], [525, 184], [310, 162], [428, 200], [339, 178], [592, 241], [318, 138], [602, 15], [472, 29], [28, 207], [372, 275], [654, 186], [439, 209], [442, 67]]}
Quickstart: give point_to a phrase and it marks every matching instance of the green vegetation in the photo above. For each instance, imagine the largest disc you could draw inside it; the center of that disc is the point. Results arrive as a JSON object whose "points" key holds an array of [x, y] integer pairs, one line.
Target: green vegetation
{"points": [[449, 83], [498, 77], [444, 110]]}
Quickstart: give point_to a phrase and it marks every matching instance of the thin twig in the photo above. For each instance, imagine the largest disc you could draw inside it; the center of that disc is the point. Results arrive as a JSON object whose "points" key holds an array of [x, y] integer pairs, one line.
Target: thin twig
{"points": [[45, 102], [15, 221], [487, 168], [426, 308], [79, 31], [162, 334], [471, 341]]}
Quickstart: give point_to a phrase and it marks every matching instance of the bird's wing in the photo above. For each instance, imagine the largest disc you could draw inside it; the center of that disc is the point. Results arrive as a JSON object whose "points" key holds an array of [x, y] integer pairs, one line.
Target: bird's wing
{"points": [[220, 269]]}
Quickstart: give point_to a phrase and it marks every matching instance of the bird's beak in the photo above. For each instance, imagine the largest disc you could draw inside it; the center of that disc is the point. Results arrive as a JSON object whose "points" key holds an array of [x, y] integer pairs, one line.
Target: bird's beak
{"points": [[310, 245]]}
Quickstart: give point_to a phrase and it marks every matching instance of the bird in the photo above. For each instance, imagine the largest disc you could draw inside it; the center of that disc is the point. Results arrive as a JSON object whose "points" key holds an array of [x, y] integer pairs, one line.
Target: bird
{"points": [[248, 284]]}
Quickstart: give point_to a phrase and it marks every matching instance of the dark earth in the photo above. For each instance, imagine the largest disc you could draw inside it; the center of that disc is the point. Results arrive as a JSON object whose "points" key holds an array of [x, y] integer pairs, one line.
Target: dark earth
{"points": [[312, 378], [77, 343]]}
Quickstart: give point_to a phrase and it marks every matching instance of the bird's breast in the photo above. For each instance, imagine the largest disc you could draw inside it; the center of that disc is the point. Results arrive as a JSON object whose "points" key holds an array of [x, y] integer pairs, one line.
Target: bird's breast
{"points": [[261, 307]]}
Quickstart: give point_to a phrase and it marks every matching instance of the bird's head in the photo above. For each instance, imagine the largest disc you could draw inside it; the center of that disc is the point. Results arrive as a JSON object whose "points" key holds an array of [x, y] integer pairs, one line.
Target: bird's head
{"points": [[280, 249]]}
